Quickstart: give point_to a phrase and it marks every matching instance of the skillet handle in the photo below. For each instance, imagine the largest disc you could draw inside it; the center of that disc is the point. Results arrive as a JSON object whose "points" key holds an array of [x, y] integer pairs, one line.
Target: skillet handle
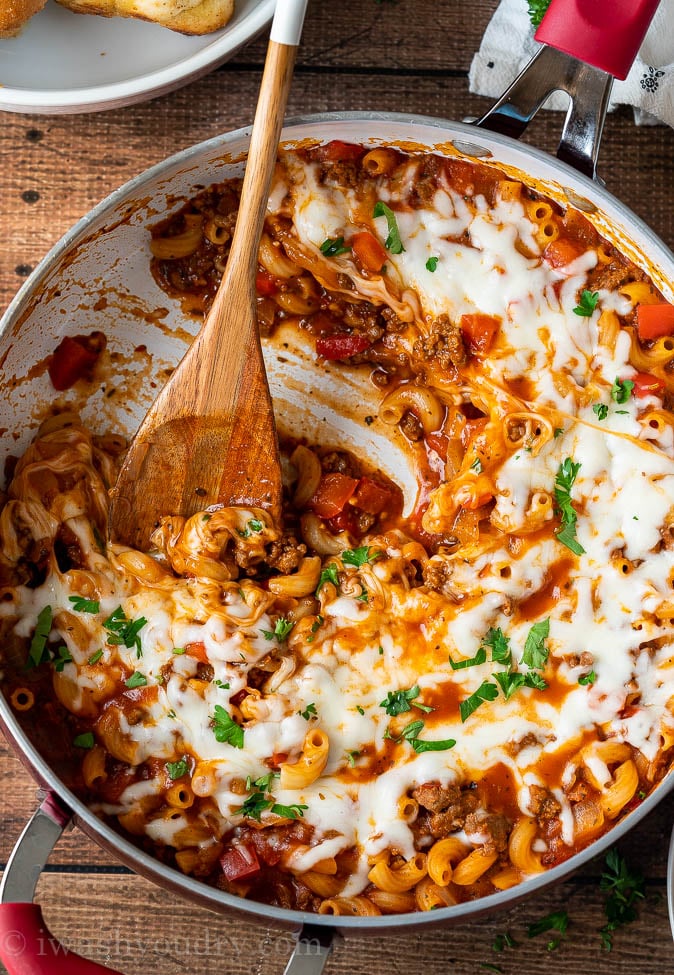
{"points": [[27, 947]]}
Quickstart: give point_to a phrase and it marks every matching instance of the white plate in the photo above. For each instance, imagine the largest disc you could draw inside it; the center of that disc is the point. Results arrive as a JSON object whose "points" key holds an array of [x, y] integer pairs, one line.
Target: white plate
{"points": [[64, 62]]}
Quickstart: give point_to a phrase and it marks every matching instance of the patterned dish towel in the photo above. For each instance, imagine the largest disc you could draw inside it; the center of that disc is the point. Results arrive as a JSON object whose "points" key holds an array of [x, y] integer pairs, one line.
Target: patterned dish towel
{"points": [[508, 44]]}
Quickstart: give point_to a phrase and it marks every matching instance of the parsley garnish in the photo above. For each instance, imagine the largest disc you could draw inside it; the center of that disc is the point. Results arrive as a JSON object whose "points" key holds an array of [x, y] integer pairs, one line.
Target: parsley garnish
{"points": [[255, 525], [226, 729], [333, 246], [136, 680], [566, 475], [432, 264], [62, 659], [259, 802], [328, 574], [504, 940], [82, 605], [221, 683], [479, 658], [535, 652], [176, 770], [500, 646], [557, 921], [601, 410], [293, 811], [587, 304], [360, 556], [393, 242], [179, 651], [124, 631], [36, 653], [624, 888], [485, 692], [537, 9], [587, 679], [621, 390], [422, 745], [397, 702], [559, 432], [280, 631], [359, 709], [84, 741], [95, 657], [309, 712]]}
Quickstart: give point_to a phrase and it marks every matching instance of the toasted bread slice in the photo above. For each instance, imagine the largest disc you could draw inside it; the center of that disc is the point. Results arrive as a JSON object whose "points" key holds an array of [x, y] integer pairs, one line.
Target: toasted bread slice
{"points": [[185, 16], [15, 13]]}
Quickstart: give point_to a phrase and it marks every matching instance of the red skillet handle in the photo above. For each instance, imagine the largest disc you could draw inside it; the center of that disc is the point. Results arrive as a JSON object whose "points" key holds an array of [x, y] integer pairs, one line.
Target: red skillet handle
{"points": [[604, 33], [27, 947]]}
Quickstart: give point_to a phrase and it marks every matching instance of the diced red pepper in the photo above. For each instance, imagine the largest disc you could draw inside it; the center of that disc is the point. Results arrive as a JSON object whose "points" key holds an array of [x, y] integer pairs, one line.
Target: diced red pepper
{"points": [[72, 360], [239, 861], [266, 284], [371, 497], [655, 321], [197, 650], [647, 385], [332, 493], [368, 251], [337, 151], [341, 346], [480, 331], [345, 521], [561, 252]]}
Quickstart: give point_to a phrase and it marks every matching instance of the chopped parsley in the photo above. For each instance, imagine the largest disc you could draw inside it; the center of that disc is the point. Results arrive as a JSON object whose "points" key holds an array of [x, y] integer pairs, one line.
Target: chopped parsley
{"points": [[535, 651], [37, 653], [351, 757], [624, 889], [360, 556], [499, 644], [359, 709], [136, 680], [309, 712], [485, 692], [479, 658], [95, 657], [504, 940], [221, 683], [84, 741], [226, 729], [176, 770], [397, 702], [179, 651], [601, 410], [557, 921], [259, 802], [281, 630], [328, 574], [587, 304], [537, 9], [432, 264], [81, 605], [393, 242], [61, 658], [587, 679], [252, 526], [333, 246], [411, 734], [476, 466], [123, 631], [621, 390], [559, 432], [315, 627], [566, 476]]}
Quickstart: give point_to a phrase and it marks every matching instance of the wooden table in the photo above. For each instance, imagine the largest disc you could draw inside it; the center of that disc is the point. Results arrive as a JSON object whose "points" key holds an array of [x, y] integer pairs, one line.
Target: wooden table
{"points": [[399, 55]]}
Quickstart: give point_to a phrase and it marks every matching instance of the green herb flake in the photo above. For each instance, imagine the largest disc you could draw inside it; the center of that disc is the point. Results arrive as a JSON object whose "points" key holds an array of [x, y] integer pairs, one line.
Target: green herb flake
{"points": [[224, 685], [485, 692], [509, 682], [81, 605], [136, 680], [621, 390], [624, 889], [587, 679], [432, 264], [255, 525], [587, 304], [333, 246], [397, 702], [504, 940], [421, 745], [537, 9], [556, 921], [359, 709], [601, 410], [476, 466], [84, 741], [564, 481], [281, 630], [293, 811], [536, 653], [351, 757], [360, 556], [328, 574], [38, 645], [499, 644], [95, 657], [123, 631], [62, 658], [226, 729], [479, 658], [393, 242], [179, 651], [559, 432], [309, 712], [176, 770]]}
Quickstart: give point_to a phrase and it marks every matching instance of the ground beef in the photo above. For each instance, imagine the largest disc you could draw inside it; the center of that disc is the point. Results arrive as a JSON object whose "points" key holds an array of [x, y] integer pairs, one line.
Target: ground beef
{"points": [[391, 321], [337, 462], [515, 747], [494, 826], [437, 574], [543, 804], [344, 172], [444, 345], [426, 182], [444, 810], [285, 555], [411, 427], [609, 276]]}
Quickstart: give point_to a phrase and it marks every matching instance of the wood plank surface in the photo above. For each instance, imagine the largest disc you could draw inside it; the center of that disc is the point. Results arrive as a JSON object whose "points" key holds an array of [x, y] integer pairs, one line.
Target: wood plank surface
{"points": [[409, 56]]}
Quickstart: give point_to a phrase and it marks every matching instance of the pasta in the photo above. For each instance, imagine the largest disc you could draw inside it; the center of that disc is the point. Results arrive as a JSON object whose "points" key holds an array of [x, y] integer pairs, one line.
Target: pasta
{"points": [[288, 711]]}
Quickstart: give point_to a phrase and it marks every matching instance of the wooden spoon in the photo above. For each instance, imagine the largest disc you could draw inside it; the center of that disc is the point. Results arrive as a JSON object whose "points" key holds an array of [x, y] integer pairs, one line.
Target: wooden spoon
{"points": [[210, 437]]}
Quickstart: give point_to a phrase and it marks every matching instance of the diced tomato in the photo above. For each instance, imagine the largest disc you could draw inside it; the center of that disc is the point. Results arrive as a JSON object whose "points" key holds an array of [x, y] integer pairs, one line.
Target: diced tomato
{"points": [[480, 331], [561, 252], [72, 360], [266, 284], [197, 650], [337, 151], [439, 443], [371, 497], [654, 321], [332, 493], [345, 521], [647, 385], [341, 346], [368, 251], [240, 696], [239, 861]]}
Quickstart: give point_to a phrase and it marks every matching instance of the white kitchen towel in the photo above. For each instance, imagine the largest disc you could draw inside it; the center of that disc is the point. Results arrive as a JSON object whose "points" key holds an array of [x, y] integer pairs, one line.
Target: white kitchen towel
{"points": [[508, 44]]}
